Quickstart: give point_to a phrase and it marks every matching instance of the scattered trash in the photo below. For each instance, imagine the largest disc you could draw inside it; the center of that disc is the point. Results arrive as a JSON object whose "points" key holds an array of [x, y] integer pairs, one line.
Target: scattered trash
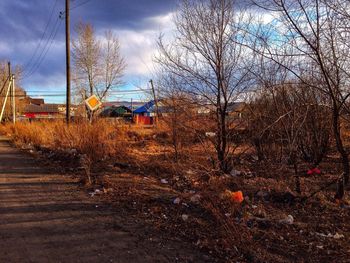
{"points": [[184, 217], [235, 172], [107, 190], [289, 220], [329, 235], [210, 134], [190, 172], [313, 171], [319, 247], [237, 196], [164, 181], [195, 198], [338, 236], [249, 174], [254, 206], [96, 192], [177, 201]]}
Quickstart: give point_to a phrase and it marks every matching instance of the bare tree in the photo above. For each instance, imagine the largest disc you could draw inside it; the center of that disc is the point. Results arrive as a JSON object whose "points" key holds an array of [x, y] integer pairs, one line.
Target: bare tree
{"points": [[311, 35], [98, 64], [208, 63], [86, 55]]}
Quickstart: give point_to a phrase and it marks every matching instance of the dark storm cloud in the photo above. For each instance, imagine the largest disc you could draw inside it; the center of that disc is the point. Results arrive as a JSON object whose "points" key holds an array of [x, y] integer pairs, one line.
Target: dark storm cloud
{"points": [[23, 23], [121, 14], [26, 19]]}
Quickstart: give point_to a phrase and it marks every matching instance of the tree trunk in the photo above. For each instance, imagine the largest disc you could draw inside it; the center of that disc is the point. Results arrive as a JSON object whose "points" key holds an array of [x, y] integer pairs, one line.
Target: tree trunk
{"points": [[343, 154], [296, 173], [222, 141]]}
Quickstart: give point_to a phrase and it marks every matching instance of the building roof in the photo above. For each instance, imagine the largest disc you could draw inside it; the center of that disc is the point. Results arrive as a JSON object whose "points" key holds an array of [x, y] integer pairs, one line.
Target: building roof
{"points": [[29, 100], [36, 101], [122, 103], [114, 111], [49, 108], [235, 106], [148, 107]]}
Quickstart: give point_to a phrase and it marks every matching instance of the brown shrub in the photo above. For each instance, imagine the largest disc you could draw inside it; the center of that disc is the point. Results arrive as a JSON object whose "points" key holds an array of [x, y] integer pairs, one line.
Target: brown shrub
{"points": [[94, 142]]}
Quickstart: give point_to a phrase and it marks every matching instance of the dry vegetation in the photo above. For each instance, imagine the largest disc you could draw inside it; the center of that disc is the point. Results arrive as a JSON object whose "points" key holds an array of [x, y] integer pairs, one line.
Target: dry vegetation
{"points": [[186, 197], [266, 184]]}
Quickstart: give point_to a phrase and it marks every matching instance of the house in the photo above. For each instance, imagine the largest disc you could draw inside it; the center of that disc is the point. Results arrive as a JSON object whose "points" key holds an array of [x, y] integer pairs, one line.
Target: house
{"points": [[62, 109], [150, 109], [115, 111], [236, 109], [33, 101], [145, 114], [33, 111], [132, 105]]}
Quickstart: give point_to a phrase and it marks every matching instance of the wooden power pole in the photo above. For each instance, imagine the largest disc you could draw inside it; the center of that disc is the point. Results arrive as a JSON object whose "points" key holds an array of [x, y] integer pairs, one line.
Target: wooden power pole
{"points": [[11, 78], [67, 62], [155, 100], [13, 99]]}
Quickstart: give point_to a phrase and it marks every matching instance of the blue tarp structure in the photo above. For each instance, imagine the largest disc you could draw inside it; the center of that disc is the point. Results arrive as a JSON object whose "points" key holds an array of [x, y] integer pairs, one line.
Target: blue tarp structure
{"points": [[149, 107]]}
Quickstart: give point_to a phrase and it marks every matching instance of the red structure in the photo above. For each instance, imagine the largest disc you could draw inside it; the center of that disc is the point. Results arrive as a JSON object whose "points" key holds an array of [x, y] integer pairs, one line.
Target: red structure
{"points": [[143, 120], [41, 111]]}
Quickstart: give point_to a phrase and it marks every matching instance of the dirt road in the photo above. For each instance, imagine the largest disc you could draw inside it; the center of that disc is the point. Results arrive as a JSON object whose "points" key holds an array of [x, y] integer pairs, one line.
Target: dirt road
{"points": [[46, 217]]}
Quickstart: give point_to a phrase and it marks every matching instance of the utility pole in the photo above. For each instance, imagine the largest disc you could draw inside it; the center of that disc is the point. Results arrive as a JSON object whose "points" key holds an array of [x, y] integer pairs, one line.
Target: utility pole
{"points": [[10, 79], [5, 100], [13, 99], [155, 99], [12, 92], [67, 62], [132, 111], [9, 68]]}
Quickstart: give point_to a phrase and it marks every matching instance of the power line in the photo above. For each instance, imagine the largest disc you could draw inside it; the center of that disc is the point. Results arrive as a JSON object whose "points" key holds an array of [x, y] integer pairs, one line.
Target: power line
{"points": [[42, 37], [113, 91], [45, 50], [78, 5]]}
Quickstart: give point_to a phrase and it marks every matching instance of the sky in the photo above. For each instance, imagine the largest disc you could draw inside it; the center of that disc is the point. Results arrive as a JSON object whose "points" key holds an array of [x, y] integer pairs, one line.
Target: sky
{"points": [[28, 27]]}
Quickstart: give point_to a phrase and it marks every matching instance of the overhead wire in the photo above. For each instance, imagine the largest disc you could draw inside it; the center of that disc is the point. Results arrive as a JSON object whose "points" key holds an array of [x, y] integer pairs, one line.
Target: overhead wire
{"points": [[114, 91], [45, 49], [3, 86], [81, 4], [49, 41], [76, 6], [42, 36]]}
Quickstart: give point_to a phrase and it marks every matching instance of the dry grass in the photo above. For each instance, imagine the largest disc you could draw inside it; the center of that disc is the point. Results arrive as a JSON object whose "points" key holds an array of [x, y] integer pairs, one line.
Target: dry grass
{"points": [[249, 231], [93, 142]]}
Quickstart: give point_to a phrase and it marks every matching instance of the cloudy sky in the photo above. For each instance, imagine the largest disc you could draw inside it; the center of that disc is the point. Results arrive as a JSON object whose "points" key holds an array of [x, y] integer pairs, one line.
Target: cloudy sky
{"points": [[137, 23]]}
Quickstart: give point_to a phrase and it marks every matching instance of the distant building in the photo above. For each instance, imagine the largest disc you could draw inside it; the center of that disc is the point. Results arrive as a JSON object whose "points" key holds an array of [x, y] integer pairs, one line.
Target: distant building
{"points": [[33, 111], [132, 105], [150, 109], [116, 111], [236, 109]]}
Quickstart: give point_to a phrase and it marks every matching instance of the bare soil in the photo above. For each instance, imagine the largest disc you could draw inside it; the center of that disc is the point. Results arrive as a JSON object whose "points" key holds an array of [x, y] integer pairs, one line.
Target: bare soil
{"points": [[46, 216]]}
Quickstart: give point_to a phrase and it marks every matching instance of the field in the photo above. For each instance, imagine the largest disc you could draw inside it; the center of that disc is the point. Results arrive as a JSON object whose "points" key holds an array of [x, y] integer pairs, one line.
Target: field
{"points": [[178, 194]]}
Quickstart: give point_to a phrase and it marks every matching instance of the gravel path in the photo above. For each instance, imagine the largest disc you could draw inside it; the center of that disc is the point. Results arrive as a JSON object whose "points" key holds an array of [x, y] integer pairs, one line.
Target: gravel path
{"points": [[47, 217]]}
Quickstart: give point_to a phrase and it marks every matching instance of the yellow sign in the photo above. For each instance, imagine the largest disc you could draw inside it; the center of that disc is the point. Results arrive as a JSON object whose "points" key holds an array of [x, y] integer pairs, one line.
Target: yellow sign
{"points": [[93, 103]]}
